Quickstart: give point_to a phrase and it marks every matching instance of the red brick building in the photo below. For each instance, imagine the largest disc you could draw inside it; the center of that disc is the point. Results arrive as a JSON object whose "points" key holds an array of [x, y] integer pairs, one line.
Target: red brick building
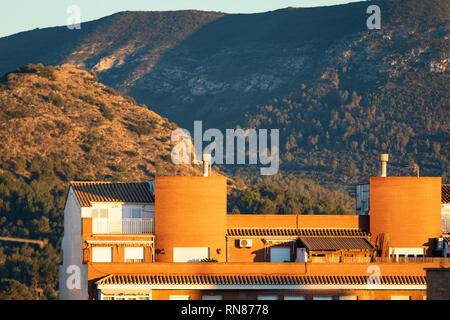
{"points": [[172, 239]]}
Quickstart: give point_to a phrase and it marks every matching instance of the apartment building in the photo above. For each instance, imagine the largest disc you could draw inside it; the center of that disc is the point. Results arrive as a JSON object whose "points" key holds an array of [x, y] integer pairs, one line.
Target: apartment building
{"points": [[172, 239]]}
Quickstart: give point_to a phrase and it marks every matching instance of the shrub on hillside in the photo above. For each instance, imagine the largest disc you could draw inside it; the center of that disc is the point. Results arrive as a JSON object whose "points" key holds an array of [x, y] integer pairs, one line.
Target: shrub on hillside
{"points": [[144, 127], [56, 99]]}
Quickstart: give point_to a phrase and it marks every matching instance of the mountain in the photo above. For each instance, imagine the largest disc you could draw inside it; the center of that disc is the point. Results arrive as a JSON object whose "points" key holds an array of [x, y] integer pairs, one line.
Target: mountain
{"points": [[340, 93], [59, 124], [63, 116]]}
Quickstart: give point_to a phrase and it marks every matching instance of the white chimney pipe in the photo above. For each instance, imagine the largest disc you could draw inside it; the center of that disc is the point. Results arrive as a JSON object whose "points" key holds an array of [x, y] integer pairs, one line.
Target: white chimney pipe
{"points": [[206, 165], [384, 160]]}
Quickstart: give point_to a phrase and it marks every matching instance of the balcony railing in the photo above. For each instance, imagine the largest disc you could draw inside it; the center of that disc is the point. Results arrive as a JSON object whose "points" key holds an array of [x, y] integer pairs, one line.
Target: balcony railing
{"points": [[413, 259], [122, 226], [379, 259], [340, 259]]}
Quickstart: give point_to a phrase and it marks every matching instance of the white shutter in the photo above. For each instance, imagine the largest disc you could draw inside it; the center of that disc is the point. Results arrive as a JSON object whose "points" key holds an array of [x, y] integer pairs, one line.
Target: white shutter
{"points": [[101, 254], [400, 298], [212, 298], [267, 298], [134, 254], [179, 297], [294, 297], [322, 298], [190, 254]]}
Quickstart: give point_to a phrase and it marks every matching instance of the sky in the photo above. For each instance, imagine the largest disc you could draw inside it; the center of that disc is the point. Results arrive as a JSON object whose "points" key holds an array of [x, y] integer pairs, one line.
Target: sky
{"points": [[22, 15]]}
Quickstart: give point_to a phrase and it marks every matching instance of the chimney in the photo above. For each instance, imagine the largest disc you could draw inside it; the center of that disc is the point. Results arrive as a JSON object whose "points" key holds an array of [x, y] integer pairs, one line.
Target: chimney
{"points": [[207, 165], [384, 159]]}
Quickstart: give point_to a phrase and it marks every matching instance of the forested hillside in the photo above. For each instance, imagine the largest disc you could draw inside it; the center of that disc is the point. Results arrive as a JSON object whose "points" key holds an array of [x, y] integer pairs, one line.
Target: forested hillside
{"points": [[57, 125], [340, 93]]}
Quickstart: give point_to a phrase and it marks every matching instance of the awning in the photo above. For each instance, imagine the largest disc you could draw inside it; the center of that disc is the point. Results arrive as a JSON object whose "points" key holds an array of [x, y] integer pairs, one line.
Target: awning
{"points": [[125, 243], [335, 243], [256, 279], [293, 232]]}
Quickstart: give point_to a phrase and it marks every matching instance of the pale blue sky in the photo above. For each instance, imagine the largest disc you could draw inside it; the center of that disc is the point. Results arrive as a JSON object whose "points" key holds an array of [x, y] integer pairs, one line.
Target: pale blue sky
{"points": [[22, 15]]}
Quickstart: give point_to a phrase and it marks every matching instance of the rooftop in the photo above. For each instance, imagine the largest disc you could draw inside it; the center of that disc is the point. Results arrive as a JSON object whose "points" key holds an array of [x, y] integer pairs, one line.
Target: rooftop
{"points": [[91, 192], [445, 193], [327, 243]]}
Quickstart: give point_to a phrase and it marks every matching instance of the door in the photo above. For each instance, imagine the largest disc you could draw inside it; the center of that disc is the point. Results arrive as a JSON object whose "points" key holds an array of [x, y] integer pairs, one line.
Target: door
{"points": [[301, 255], [280, 254]]}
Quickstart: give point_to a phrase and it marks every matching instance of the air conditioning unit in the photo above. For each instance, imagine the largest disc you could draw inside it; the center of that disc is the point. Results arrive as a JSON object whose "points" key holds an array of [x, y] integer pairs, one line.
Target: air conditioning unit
{"points": [[245, 243]]}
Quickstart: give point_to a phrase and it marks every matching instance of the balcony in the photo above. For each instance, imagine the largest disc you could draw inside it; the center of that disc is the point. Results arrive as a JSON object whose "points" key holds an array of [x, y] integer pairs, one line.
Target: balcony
{"points": [[122, 226]]}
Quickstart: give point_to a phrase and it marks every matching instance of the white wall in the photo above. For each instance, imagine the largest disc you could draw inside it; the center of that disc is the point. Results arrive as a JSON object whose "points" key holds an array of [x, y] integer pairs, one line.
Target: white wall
{"points": [[72, 254], [118, 211]]}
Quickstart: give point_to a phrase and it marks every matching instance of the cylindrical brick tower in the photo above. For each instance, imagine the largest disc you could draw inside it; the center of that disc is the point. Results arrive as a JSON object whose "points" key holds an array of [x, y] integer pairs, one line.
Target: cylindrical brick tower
{"points": [[190, 212], [406, 210]]}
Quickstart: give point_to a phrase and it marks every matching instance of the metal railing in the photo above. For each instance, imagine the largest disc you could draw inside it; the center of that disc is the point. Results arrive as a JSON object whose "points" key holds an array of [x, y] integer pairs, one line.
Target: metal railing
{"points": [[379, 259], [412, 259], [123, 226], [137, 226], [340, 259]]}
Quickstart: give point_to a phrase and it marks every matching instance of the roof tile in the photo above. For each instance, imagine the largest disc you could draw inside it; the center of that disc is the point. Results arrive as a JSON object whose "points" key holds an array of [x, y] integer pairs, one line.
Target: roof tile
{"points": [[89, 192], [293, 232], [273, 279], [445, 193]]}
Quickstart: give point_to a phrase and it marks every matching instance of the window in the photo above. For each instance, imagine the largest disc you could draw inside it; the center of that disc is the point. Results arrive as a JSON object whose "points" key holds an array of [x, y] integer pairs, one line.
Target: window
{"points": [[179, 297], [280, 254], [132, 222], [267, 297], [212, 298], [322, 298], [136, 213], [131, 212], [126, 297], [101, 254], [190, 254], [100, 222], [348, 297], [99, 213], [400, 298], [133, 254], [294, 298]]}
